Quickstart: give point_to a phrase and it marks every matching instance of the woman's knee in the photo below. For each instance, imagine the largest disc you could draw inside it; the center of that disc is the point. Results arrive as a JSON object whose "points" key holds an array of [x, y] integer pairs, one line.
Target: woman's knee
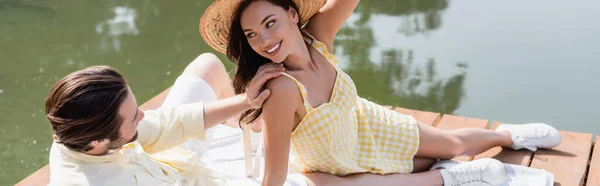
{"points": [[457, 145], [438, 143]]}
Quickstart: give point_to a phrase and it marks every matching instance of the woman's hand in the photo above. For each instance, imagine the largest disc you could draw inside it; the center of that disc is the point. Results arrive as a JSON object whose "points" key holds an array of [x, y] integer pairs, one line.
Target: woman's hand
{"points": [[255, 95]]}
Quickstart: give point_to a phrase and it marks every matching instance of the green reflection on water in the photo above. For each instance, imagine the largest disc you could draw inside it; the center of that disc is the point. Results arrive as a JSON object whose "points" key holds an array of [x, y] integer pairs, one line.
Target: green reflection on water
{"points": [[396, 80]]}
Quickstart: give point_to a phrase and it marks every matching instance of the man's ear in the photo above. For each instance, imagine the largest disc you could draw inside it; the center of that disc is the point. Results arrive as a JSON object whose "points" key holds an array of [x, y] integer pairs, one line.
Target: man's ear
{"points": [[99, 143]]}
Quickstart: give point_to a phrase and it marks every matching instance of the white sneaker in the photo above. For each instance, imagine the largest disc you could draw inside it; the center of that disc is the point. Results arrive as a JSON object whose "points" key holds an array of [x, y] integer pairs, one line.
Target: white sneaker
{"points": [[445, 164], [481, 172], [532, 136]]}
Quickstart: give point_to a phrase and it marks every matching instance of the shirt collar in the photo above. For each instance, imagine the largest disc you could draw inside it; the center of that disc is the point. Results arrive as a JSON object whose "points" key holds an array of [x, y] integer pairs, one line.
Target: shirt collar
{"points": [[86, 158]]}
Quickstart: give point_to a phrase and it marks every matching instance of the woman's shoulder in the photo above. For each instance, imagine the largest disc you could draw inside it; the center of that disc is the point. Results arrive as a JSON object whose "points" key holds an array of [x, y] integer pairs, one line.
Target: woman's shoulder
{"points": [[282, 84], [283, 90]]}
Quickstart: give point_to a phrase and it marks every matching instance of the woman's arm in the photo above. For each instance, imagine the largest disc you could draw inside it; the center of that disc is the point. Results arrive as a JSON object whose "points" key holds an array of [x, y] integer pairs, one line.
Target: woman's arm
{"points": [[278, 116], [325, 24]]}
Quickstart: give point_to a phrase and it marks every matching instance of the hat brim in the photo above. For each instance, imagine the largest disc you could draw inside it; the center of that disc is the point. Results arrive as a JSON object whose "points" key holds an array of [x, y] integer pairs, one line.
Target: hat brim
{"points": [[215, 23]]}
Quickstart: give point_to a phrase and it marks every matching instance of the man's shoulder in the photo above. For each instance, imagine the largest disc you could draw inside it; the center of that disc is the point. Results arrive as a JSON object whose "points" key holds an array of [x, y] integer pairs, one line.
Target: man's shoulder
{"points": [[65, 170], [90, 174]]}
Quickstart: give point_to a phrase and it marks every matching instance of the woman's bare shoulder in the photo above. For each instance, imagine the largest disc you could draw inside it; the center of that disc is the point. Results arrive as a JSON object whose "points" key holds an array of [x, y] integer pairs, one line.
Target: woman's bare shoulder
{"points": [[281, 84], [284, 92]]}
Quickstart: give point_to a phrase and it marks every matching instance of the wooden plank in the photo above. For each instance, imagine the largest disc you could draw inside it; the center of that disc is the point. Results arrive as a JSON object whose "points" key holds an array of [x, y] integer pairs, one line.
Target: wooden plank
{"points": [[568, 161], [429, 118], [507, 155], [42, 175], [156, 101], [451, 122], [39, 177], [593, 178]]}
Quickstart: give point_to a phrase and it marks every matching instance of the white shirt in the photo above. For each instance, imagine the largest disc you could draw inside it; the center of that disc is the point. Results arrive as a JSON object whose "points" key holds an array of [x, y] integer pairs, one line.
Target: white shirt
{"points": [[154, 159]]}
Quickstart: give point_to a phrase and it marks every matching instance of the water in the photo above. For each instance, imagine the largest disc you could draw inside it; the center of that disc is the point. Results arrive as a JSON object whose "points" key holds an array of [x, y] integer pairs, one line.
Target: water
{"points": [[510, 61]]}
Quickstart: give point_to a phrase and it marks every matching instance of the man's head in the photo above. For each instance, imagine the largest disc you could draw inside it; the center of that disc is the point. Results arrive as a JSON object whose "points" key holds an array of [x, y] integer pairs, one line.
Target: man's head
{"points": [[93, 111]]}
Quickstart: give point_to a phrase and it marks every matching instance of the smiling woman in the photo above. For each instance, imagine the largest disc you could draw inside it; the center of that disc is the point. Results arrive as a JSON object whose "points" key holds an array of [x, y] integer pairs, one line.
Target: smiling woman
{"points": [[315, 113], [511, 48], [247, 47]]}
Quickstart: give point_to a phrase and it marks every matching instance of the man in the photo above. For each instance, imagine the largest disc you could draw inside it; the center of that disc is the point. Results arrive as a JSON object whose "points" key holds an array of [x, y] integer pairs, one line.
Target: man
{"points": [[102, 138]]}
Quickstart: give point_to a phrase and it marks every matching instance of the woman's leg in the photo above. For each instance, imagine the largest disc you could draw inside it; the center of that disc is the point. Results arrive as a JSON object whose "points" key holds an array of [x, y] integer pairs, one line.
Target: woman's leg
{"points": [[484, 172], [429, 178], [447, 144], [421, 164]]}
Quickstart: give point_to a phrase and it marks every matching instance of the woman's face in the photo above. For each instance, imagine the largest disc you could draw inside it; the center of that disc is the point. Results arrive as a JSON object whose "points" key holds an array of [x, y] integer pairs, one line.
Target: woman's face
{"points": [[270, 29]]}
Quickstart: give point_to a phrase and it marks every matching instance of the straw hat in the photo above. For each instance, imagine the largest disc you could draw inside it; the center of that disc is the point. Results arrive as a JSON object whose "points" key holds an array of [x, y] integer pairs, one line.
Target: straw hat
{"points": [[215, 23]]}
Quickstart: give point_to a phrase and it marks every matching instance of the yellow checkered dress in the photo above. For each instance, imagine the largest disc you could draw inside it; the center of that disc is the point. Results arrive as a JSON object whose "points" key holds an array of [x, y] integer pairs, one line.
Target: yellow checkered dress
{"points": [[350, 134]]}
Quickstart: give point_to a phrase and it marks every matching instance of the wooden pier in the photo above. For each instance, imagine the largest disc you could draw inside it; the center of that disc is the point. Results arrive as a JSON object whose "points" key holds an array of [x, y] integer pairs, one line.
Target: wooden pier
{"points": [[575, 162]]}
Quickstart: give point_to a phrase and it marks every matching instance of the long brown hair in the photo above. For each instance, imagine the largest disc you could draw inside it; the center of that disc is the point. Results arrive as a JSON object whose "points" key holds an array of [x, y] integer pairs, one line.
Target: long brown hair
{"points": [[246, 59], [83, 107]]}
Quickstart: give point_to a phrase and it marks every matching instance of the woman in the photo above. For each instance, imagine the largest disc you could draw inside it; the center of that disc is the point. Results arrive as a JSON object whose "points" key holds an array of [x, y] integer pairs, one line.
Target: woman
{"points": [[314, 110]]}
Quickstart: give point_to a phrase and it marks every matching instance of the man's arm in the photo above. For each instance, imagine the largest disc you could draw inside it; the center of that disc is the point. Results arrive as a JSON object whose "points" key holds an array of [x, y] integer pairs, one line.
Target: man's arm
{"points": [[168, 127], [216, 112]]}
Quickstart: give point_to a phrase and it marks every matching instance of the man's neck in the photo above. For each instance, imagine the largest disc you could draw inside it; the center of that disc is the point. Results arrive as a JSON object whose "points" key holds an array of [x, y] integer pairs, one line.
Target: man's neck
{"points": [[97, 151]]}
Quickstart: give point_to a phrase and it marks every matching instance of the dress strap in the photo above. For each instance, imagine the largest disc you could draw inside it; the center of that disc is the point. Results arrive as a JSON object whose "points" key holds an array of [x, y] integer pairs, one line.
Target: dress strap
{"points": [[252, 168], [322, 48], [303, 92]]}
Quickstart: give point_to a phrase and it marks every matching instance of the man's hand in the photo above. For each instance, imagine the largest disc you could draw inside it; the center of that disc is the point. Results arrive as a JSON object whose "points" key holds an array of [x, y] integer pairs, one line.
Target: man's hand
{"points": [[255, 95], [220, 110]]}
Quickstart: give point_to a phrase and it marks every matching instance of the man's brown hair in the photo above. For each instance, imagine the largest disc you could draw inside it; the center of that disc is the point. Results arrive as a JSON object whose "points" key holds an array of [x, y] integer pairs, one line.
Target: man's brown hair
{"points": [[83, 107]]}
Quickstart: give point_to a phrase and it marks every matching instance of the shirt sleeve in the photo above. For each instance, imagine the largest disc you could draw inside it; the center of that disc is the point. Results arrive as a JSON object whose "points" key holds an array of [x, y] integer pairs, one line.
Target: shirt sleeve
{"points": [[168, 127]]}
